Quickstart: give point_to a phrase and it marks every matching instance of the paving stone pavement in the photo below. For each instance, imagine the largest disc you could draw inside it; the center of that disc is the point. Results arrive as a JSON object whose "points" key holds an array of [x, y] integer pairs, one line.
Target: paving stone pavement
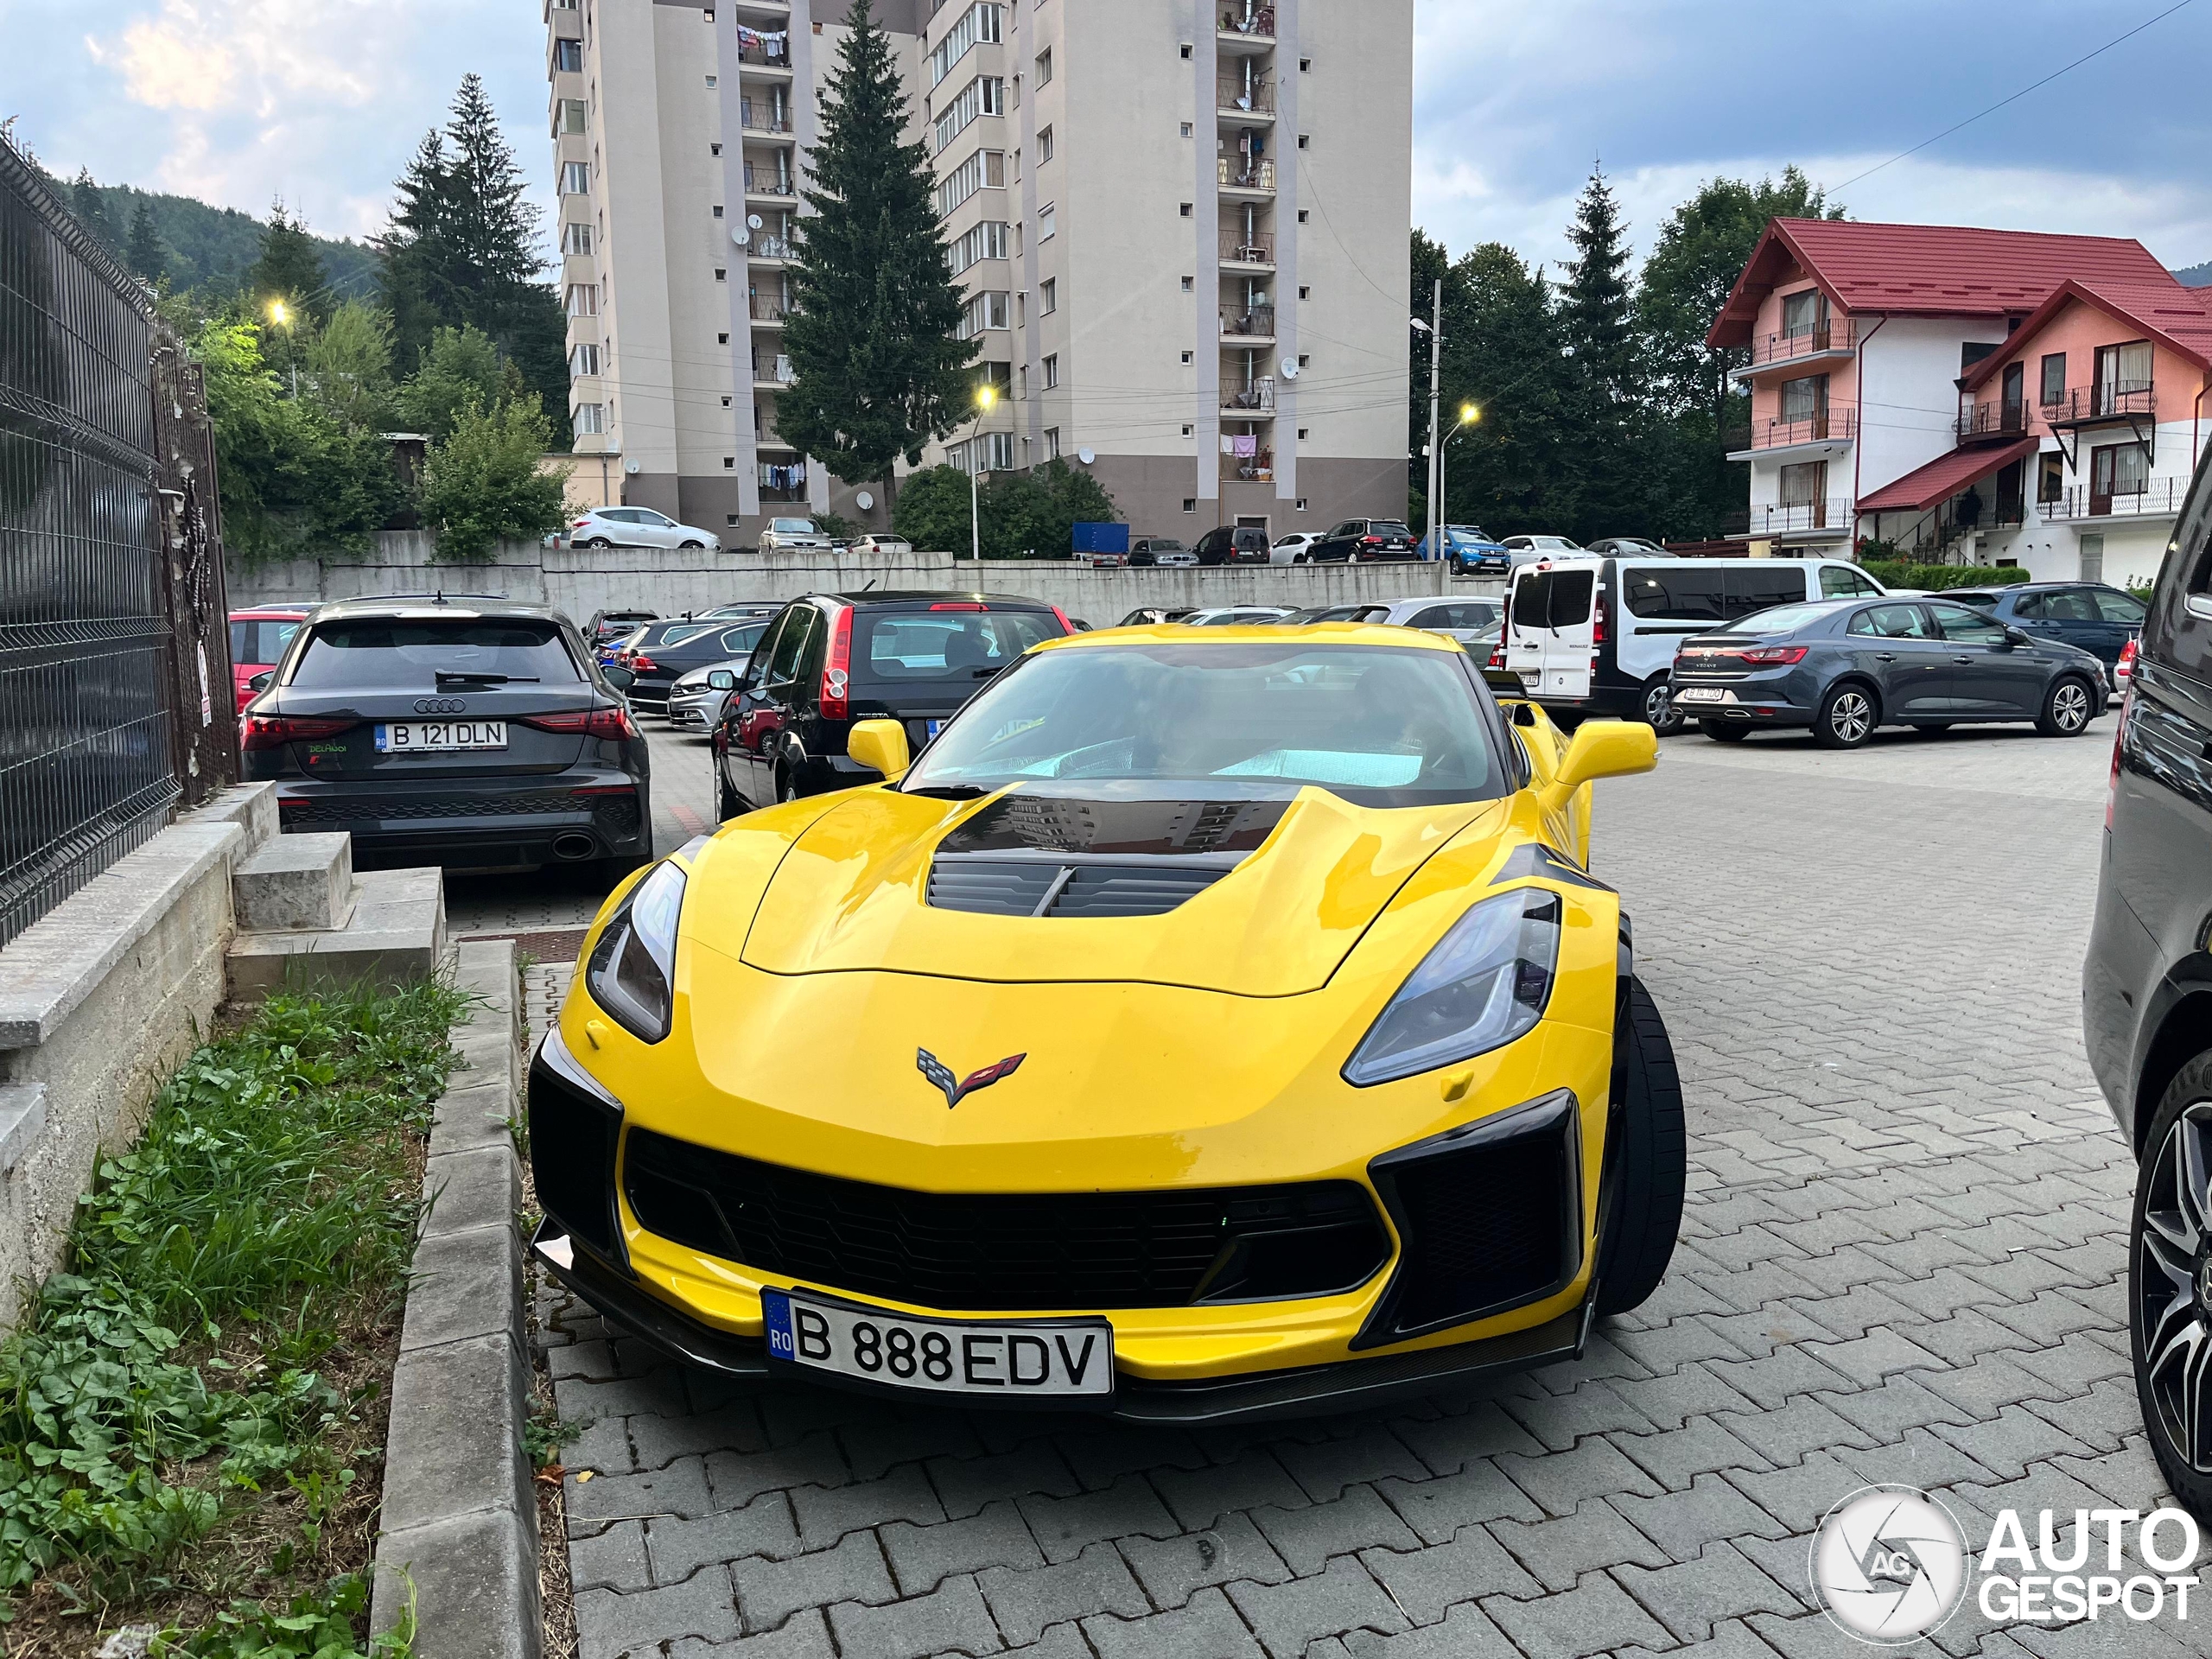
{"points": [[1900, 1262]]}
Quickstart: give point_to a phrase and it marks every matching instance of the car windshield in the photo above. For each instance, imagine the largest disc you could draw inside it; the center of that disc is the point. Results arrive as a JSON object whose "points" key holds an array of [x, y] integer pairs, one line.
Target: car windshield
{"points": [[1248, 721], [1779, 618], [792, 526], [368, 653]]}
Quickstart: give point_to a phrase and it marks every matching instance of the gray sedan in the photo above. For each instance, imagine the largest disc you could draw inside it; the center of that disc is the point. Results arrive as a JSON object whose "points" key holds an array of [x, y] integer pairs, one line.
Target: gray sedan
{"points": [[695, 701], [1843, 667]]}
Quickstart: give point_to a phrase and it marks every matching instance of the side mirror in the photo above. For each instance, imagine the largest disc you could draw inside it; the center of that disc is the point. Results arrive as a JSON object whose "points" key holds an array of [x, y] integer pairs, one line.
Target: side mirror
{"points": [[260, 683], [2015, 636], [1601, 748], [880, 745], [721, 680], [620, 678]]}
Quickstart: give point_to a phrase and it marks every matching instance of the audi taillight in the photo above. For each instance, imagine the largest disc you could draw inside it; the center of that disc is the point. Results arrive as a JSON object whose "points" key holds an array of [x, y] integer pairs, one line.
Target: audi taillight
{"points": [[613, 723], [275, 731], [836, 668], [1775, 656]]}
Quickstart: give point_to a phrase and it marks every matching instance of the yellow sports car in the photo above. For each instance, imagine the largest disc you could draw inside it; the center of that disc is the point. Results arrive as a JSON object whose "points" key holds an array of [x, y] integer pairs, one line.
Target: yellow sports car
{"points": [[1209, 1025]]}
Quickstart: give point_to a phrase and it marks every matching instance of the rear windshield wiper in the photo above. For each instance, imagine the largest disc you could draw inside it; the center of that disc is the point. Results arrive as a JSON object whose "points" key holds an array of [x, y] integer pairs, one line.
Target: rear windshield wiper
{"points": [[463, 676]]}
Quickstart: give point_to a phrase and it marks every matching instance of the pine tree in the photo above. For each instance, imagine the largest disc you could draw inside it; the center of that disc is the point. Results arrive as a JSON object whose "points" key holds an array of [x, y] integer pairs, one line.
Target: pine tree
{"points": [[878, 373], [1594, 299], [89, 202], [290, 269], [144, 253]]}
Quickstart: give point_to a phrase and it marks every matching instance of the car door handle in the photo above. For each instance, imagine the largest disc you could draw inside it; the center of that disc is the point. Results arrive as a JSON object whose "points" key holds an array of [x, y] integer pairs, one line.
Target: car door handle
{"points": [[1886, 656], [1963, 659]]}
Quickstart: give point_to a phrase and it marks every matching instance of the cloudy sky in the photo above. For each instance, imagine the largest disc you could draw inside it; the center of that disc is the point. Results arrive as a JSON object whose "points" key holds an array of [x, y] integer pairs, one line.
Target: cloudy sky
{"points": [[319, 102]]}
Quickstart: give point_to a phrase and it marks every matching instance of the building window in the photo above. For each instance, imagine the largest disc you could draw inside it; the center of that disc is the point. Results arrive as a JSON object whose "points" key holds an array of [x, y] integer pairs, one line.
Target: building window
{"points": [[1045, 67], [729, 521], [575, 237], [984, 20], [1189, 356], [583, 299], [575, 178], [568, 56], [1804, 399], [1051, 443], [1305, 140], [1301, 503], [1304, 66], [985, 167], [572, 115], [590, 420], [721, 274], [986, 310], [1301, 434], [1052, 370], [1187, 285], [2054, 379], [718, 210], [1043, 147], [1047, 225], [1048, 296], [1305, 293], [712, 82], [985, 95], [714, 148], [729, 463], [2050, 479], [721, 340], [1188, 430], [1190, 502], [1187, 210], [583, 360], [1186, 52], [987, 452], [984, 241], [1186, 130], [1301, 215]]}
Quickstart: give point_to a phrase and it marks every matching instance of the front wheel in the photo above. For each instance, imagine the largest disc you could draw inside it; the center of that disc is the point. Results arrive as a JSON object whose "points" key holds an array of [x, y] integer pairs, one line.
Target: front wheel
{"points": [[1661, 713], [1721, 731], [2169, 1285], [1846, 718], [1649, 1158], [693, 546], [597, 544], [2068, 708]]}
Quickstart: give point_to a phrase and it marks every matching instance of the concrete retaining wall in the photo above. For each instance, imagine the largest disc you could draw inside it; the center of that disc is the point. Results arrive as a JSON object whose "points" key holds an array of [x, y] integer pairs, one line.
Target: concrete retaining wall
{"points": [[671, 582], [100, 1001]]}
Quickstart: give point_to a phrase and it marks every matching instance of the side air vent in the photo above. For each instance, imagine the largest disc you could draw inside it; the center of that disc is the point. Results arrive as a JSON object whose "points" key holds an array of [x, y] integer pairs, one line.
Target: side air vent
{"points": [[1049, 888]]}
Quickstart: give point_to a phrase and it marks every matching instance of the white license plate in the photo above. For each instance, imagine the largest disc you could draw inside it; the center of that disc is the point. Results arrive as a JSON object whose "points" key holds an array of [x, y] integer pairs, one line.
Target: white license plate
{"points": [[1020, 1358], [1700, 694], [440, 736]]}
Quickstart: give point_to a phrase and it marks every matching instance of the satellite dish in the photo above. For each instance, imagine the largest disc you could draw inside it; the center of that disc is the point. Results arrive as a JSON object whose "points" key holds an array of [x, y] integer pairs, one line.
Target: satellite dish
{"points": [[1290, 368], [753, 221], [864, 501], [1086, 456], [740, 236], [634, 466]]}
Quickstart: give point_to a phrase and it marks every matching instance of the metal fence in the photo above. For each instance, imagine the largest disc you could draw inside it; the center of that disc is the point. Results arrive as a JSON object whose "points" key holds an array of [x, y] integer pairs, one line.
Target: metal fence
{"points": [[106, 610]]}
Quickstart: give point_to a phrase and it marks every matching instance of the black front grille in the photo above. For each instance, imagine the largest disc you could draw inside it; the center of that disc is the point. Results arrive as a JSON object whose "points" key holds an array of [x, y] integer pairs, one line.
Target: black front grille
{"points": [[357, 808], [1043, 887], [1491, 1217], [989, 1251]]}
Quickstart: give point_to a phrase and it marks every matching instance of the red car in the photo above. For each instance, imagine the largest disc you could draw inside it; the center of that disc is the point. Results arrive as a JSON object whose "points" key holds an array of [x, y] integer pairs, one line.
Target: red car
{"points": [[258, 637]]}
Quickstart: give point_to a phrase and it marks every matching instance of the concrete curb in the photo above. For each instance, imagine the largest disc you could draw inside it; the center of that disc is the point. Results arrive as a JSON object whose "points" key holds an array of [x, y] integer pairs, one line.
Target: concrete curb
{"points": [[460, 1519]]}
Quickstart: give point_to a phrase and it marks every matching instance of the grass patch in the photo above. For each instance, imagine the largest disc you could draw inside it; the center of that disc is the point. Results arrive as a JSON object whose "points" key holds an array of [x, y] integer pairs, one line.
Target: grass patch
{"points": [[191, 1417]]}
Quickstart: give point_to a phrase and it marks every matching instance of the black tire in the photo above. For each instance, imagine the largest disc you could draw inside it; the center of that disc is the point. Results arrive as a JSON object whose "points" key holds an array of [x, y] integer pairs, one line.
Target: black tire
{"points": [[1649, 1160], [1847, 716], [692, 547], [2167, 1286], [786, 785], [1658, 711], [2068, 707], [598, 544], [1722, 731]]}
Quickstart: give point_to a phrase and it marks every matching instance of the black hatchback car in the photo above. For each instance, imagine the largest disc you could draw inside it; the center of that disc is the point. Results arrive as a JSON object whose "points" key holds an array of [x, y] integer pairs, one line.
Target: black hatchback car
{"points": [[2146, 996], [467, 733], [1364, 541], [1234, 545], [1844, 666], [831, 659]]}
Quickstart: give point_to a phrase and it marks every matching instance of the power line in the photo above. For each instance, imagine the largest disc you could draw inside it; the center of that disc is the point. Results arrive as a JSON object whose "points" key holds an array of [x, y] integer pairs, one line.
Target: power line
{"points": [[2016, 97]]}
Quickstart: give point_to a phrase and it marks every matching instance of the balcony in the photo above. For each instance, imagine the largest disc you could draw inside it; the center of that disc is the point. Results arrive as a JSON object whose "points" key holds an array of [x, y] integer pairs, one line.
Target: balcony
{"points": [[765, 310], [1250, 249], [1258, 468], [773, 372], [1828, 427], [758, 115], [1257, 397], [766, 181], [1829, 339], [1250, 325], [1236, 173], [1992, 424], [1246, 29], [766, 245], [1831, 516], [1233, 95], [2106, 401], [2155, 497], [754, 51]]}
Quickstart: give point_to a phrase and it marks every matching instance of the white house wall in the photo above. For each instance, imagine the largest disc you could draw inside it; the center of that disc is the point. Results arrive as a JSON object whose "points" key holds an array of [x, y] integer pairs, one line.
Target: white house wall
{"points": [[1908, 398]]}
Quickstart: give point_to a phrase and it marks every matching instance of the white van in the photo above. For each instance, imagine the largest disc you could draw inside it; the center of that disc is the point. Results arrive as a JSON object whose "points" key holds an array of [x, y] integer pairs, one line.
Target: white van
{"points": [[1593, 636]]}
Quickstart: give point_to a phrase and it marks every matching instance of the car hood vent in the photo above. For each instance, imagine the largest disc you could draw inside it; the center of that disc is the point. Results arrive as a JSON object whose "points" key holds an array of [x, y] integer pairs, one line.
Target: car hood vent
{"points": [[1046, 887]]}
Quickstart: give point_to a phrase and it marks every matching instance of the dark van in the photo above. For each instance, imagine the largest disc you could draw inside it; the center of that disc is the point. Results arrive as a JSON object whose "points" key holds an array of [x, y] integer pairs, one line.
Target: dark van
{"points": [[2146, 996], [831, 659]]}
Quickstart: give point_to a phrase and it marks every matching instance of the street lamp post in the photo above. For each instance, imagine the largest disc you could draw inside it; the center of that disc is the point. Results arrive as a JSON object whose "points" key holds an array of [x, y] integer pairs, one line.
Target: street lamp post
{"points": [[1435, 468], [985, 397], [281, 315], [1469, 414]]}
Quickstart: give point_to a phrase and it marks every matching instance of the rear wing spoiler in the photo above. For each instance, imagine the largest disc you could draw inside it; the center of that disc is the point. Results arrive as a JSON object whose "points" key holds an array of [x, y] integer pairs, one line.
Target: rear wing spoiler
{"points": [[1504, 681]]}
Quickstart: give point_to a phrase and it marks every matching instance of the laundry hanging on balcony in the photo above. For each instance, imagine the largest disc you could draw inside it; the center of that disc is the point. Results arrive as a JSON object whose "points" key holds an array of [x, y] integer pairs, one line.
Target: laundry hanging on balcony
{"points": [[787, 478], [1247, 446]]}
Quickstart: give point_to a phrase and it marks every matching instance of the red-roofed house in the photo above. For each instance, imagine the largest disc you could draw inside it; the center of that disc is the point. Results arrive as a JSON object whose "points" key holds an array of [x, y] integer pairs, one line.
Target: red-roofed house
{"points": [[1861, 337]]}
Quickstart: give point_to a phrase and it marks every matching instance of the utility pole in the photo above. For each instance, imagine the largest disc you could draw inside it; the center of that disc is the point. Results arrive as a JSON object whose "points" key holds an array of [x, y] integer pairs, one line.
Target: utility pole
{"points": [[1435, 449]]}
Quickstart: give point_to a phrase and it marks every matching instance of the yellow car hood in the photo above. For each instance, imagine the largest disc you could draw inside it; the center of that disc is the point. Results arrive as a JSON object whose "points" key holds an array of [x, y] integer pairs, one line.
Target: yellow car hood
{"points": [[849, 895]]}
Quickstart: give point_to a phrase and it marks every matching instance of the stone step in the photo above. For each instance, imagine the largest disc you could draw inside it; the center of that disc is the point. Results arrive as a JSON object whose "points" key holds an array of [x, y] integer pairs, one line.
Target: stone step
{"points": [[295, 882], [395, 935]]}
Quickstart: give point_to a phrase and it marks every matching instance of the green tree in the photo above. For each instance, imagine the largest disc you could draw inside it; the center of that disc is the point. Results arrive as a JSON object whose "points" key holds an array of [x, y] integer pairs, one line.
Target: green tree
{"points": [[290, 269], [1602, 379], [349, 362], [1518, 467], [89, 203], [144, 251], [878, 373], [461, 366], [931, 510], [485, 483]]}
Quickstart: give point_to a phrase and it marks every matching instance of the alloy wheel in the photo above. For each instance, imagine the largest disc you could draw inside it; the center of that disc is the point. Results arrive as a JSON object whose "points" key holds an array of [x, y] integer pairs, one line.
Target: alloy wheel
{"points": [[1659, 710], [2173, 1285], [1850, 717], [2069, 706]]}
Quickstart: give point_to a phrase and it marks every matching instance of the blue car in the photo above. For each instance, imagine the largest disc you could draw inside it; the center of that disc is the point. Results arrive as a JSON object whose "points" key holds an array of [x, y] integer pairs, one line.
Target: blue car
{"points": [[2097, 619], [1471, 552]]}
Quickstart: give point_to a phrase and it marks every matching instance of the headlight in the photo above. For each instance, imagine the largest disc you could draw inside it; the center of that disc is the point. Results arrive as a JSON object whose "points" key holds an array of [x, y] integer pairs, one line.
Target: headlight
{"points": [[1484, 984], [634, 968]]}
